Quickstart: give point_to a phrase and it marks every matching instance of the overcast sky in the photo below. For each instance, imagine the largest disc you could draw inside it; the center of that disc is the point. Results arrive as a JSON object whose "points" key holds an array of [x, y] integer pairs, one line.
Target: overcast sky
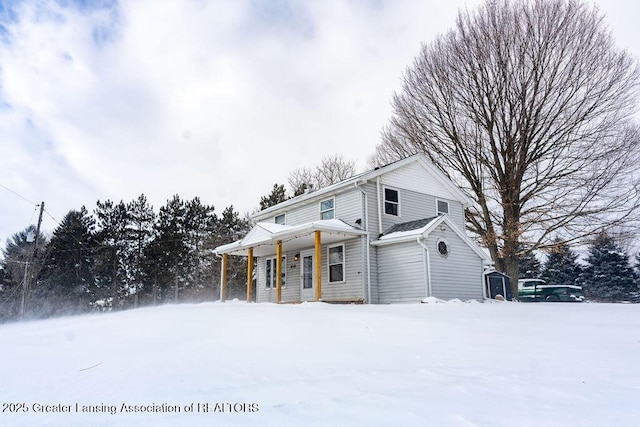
{"points": [[217, 99]]}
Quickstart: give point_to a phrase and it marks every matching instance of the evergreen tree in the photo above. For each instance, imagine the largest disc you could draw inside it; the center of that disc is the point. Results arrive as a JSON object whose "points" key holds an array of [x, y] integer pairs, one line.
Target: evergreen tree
{"points": [[170, 250], [112, 267], [68, 280], [529, 266], [277, 195], [561, 267], [231, 227], [139, 230], [608, 276], [199, 223], [18, 259]]}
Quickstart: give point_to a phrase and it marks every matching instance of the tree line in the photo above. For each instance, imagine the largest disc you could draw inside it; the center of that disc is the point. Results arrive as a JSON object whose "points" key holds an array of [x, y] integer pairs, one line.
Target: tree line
{"points": [[606, 275], [122, 255]]}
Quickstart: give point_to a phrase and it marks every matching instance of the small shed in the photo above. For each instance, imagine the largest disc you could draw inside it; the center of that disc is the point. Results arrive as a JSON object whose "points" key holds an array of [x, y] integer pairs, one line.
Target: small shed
{"points": [[498, 283]]}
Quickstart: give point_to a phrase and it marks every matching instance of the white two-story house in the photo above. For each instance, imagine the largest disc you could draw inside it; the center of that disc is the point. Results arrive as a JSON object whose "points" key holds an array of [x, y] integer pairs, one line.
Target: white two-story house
{"points": [[392, 234]]}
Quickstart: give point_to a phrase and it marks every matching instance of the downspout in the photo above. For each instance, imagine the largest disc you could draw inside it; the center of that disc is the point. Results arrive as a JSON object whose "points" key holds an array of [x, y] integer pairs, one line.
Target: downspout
{"points": [[379, 205], [424, 246], [368, 245]]}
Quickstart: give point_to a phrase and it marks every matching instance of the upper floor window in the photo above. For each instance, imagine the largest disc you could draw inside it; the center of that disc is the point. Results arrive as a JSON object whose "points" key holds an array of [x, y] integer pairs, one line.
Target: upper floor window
{"points": [[280, 219], [442, 207], [327, 209], [391, 202]]}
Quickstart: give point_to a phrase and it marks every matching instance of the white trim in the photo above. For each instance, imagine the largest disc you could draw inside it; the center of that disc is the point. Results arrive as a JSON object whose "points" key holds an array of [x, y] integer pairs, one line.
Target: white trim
{"points": [[273, 276], [444, 201], [284, 214], [384, 201], [408, 236], [333, 208], [311, 290], [344, 264], [339, 187]]}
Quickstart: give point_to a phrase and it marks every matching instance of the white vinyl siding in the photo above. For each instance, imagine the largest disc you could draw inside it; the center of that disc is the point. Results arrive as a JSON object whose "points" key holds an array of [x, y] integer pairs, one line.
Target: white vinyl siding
{"points": [[459, 274], [352, 288], [347, 207], [401, 273]]}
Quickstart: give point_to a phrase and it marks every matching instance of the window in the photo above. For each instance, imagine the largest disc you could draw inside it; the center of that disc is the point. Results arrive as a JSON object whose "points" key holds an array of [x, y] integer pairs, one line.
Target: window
{"points": [[336, 264], [442, 207], [270, 269], [443, 248], [280, 219], [326, 209], [391, 202]]}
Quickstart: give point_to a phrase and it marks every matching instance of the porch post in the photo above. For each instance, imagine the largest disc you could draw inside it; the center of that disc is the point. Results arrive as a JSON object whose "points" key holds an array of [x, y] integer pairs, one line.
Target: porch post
{"points": [[249, 273], [279, 271], [223, 278], [318, 265]]}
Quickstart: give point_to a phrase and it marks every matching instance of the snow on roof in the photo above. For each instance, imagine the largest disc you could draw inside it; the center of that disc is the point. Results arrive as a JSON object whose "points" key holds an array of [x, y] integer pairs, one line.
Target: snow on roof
{"points": [[407, 230], [268, 233]]}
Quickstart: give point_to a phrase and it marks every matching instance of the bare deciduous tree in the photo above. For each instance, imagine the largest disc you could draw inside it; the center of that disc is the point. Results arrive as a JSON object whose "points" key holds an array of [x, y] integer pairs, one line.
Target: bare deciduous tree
{"points": [[332, 169], [527, 106]]}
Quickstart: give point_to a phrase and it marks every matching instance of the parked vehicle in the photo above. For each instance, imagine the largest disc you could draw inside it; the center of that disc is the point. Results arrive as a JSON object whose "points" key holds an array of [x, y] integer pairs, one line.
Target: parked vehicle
{"points": [[532, 290]]}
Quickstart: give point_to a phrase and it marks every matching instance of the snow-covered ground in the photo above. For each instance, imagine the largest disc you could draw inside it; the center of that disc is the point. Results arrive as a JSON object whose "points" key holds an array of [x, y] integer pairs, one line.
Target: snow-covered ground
{"points": [[500, 364]]}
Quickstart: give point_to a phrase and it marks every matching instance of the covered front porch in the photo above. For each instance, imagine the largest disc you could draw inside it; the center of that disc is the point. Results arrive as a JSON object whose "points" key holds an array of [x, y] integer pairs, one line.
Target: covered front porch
{"points": [[293, 255]]}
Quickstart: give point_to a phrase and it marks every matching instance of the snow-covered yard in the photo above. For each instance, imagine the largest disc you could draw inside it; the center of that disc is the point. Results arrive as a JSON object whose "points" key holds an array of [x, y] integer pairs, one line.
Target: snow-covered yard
{"points": [[500, 364]]}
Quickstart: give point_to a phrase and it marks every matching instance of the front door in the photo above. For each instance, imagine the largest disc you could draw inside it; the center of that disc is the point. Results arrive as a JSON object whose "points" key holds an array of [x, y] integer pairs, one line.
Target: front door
{"points": [[306, 276]]}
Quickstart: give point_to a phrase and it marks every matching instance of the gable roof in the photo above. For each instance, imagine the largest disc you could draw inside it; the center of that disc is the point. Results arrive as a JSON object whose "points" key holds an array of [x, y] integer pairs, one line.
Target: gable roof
{"points": [[362, 178], [413, 230]]}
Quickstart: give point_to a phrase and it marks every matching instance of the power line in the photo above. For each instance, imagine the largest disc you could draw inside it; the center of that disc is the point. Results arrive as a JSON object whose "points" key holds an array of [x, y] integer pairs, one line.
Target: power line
{"points": [[17, 194]]}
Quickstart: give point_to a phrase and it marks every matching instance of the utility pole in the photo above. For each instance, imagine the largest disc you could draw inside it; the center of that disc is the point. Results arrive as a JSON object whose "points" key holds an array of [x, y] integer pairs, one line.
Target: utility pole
{"points": [[26, 289]]}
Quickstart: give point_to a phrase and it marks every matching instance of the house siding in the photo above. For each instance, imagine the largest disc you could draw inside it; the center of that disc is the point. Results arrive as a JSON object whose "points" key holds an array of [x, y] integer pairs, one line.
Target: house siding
{"points": [[351, 289], [401, 273], [448, 278], [291, 290], [348, 207]]}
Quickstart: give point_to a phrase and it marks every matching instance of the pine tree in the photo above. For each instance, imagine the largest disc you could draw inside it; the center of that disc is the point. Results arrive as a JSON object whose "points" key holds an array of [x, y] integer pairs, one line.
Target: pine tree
{"points": [[229, 228], [140, 221], [67, 285], [199, 222], [17, 259], [561, 267], [529, 266], [277, 195], [112, 267], [170, 251], [608, 276]]}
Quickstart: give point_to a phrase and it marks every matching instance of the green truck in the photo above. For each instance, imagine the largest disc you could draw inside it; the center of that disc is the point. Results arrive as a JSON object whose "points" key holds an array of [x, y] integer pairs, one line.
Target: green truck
{"points": [[534, 290]]}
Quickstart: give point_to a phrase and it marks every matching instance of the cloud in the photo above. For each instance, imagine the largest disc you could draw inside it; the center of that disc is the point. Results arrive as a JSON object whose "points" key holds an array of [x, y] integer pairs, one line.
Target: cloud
{"points": [[216, 99]]}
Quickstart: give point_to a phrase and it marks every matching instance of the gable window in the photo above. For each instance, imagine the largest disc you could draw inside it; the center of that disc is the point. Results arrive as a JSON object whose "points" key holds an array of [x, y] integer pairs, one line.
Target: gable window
{"points": [[391, 202], [327, 209], [280, 219], [336, 264], [270, 272], [442, 207]]}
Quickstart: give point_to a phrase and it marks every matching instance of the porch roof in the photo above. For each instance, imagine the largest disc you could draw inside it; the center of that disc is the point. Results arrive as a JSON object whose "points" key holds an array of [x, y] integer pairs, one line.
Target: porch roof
{"points": [[264, 235]]}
